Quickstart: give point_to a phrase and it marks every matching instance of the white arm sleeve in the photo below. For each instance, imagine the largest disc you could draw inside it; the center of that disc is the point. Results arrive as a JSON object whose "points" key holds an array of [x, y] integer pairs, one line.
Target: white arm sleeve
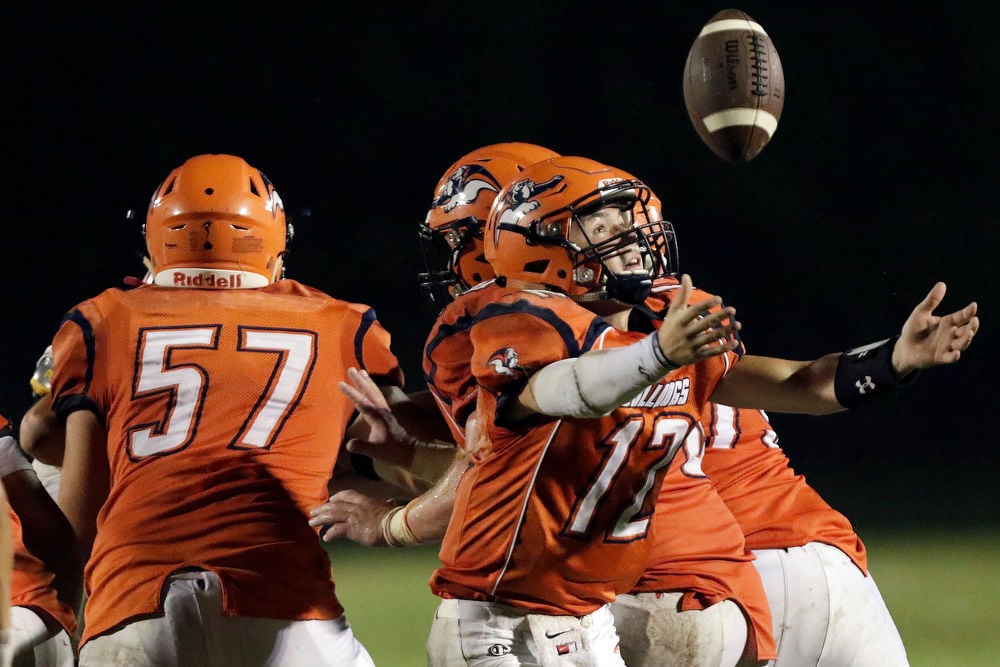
{"points": [[597, 382]]}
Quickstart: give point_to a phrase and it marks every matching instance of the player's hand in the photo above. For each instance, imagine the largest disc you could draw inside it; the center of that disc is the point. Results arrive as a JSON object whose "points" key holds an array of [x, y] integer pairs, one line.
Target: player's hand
{"points": [[41, 379], [387, 439], [353, 515], [928, 339], [690, 332]]}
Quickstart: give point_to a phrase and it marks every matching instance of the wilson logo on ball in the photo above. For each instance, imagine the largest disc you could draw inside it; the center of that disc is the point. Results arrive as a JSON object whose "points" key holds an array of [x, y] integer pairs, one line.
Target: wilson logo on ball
{"points": [[734, 87]]}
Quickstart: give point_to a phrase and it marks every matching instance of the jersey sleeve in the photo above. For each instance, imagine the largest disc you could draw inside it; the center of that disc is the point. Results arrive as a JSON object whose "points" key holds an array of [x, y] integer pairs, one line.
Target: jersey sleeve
{"points": [[78, 350], [372, 348], [516, 337]]}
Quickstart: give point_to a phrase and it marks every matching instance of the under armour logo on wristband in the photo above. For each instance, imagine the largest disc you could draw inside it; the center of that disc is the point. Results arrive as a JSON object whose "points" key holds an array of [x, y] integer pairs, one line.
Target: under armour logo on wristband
{"points": [[866, 372]]}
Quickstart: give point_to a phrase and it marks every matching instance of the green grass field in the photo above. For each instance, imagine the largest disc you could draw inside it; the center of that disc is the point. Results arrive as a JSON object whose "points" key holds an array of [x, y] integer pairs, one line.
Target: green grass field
{"points": [[943, 589]]}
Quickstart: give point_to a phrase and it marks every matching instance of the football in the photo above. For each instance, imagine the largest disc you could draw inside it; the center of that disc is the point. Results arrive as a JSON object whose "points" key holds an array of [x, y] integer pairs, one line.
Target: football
{"points": [[734, 87]]}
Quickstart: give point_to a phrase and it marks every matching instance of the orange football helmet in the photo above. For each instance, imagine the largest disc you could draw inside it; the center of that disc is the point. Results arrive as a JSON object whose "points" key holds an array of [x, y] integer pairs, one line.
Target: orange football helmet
{"points": [[527, 232], [452, 234], [216, 221]]}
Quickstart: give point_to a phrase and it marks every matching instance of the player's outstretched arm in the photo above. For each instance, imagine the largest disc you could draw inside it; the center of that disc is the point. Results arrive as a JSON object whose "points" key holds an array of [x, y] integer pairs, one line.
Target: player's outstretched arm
{"points": [[400, 458], [838, 381]]}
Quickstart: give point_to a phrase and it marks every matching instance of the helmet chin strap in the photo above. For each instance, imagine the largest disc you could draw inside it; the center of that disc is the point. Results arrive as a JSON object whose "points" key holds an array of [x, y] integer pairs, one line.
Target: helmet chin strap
{"points": [[522, 284], [628, 291], [631, 289], [628, 288]]}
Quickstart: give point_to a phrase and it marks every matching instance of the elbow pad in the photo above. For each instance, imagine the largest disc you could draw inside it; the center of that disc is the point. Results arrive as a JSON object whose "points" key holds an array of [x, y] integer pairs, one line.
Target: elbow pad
{"points": [[595, 383]]}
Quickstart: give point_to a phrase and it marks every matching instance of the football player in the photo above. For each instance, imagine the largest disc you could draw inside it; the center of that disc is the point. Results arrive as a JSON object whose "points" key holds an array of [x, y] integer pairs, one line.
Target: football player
{"points": [[825, 605], [650, 616], [583, 414], [700, 555], [447, 368], [203, 420]]}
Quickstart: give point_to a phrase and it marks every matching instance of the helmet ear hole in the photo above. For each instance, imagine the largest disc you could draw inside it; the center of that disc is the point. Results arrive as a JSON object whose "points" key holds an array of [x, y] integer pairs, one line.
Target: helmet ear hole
{"points": [[539, 266]]}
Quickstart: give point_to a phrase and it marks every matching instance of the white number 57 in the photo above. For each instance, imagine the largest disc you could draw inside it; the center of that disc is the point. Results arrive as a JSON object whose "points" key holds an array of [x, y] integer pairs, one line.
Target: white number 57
{"points": [[186, 385]]}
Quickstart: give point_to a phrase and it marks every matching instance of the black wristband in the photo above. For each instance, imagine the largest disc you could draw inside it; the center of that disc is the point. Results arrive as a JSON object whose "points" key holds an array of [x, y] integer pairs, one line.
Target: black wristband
{"points": [[865, 373]]}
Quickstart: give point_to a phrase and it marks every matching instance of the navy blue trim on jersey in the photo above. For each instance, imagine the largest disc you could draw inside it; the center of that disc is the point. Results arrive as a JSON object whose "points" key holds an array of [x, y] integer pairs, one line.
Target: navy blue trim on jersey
{"points": [[595, 329], [445, 331], [87, 333], [367, 320], [597, 325], [81, 400], [66, 404]]}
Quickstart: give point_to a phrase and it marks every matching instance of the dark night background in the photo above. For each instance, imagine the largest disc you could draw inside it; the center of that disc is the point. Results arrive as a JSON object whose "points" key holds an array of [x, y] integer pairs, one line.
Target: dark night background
{"points": [[880, 180]]}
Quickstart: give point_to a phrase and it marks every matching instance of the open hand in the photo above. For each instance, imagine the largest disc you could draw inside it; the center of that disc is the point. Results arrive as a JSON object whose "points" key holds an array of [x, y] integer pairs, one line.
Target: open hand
{"points": [[690, 332], [386, 438], [928, 339]]}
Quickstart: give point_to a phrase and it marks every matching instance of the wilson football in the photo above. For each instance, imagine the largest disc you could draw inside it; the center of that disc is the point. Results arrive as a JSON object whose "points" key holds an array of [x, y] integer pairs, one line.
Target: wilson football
{"points": [[734, 87]]}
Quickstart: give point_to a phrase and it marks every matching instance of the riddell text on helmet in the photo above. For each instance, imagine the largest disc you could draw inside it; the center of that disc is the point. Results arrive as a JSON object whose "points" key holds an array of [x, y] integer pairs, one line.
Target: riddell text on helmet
{"points": [[208, 279]]}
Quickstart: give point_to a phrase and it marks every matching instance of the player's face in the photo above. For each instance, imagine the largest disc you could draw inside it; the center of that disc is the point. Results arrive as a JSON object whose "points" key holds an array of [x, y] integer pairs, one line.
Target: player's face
{"points": [[602, 224]]}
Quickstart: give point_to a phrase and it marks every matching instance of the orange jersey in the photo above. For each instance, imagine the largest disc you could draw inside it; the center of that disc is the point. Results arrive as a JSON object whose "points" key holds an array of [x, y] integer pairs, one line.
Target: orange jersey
{"points": [[31, 582], [555, 517], [699, 548], [447, 355], [224, 420], [774, 505]]}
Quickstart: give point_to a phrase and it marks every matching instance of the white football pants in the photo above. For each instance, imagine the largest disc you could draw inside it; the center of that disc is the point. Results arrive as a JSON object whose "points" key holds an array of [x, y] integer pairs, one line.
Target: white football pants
{"points": [[194, 633], [485, 634], [826, 613]]}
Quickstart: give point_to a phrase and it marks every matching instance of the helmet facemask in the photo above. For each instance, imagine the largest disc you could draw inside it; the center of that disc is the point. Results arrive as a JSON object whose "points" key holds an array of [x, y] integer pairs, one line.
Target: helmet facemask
{"points": [[538, 234], [592, 261], [452, 265], [452, 233]]}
